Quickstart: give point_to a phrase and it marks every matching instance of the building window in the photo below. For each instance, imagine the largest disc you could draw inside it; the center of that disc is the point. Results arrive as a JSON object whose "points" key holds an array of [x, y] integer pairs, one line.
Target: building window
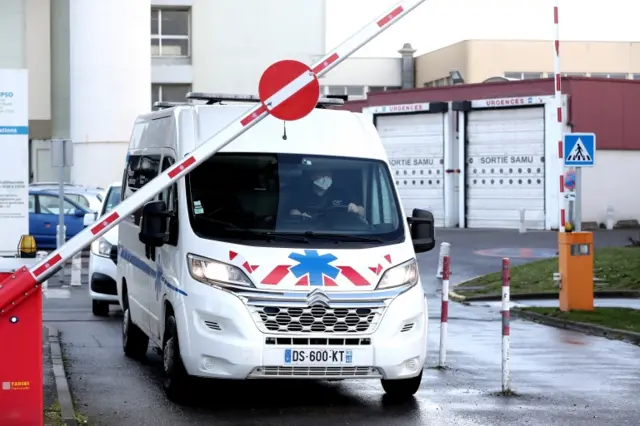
{"points": [[531, 75], [445, 81], [523, 75], [169, 92], [608, 75], [354, 92], [551, 74], [170, 32], [374, 89], [514, 75]]}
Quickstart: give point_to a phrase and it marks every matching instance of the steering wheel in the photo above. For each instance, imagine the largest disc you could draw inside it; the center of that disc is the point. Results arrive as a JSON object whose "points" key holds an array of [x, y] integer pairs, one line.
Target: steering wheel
{"points": [[335, 208], [343, 209]]}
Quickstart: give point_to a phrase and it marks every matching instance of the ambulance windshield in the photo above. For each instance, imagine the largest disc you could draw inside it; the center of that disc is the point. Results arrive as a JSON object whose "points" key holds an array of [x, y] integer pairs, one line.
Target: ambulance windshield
{"points": [[267, 198]]}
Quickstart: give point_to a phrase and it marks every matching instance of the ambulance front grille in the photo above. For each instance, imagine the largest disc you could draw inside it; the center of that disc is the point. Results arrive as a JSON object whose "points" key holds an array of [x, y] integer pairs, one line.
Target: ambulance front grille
{"points": [[316, 319]]}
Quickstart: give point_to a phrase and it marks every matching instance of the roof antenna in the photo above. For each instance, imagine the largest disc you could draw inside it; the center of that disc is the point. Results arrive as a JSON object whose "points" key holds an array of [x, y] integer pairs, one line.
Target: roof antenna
{"points": [[284, 134]]}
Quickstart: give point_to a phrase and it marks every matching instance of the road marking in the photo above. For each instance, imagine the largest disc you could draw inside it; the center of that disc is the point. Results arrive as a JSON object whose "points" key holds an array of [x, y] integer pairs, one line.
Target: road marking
{"points": [[56, 293]]}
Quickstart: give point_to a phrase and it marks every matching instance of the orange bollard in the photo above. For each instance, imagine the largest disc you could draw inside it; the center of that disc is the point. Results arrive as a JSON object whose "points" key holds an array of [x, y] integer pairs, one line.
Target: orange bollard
{"points": [[575, 260]]}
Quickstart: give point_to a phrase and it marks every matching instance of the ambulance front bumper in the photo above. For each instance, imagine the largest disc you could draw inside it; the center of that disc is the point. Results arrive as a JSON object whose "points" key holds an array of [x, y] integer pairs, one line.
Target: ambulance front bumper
{"points": [[250, 334]]}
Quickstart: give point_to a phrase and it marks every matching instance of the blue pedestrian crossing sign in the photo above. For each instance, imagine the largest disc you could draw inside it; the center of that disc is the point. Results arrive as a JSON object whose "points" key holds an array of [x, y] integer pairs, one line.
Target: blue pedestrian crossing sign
{"points": [[579, 149]]}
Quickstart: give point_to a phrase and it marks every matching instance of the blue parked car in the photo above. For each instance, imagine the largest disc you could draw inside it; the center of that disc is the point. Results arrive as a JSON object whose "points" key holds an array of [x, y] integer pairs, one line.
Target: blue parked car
{"points": [[44, 208]]}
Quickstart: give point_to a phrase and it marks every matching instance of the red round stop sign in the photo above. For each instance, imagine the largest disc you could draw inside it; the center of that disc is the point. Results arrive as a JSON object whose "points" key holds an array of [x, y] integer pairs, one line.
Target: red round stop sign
{"points": [[299, 104]]}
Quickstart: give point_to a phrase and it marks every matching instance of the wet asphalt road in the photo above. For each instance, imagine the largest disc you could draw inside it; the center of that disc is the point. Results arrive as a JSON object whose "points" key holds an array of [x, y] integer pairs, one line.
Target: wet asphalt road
{"points": [[560, 377]]}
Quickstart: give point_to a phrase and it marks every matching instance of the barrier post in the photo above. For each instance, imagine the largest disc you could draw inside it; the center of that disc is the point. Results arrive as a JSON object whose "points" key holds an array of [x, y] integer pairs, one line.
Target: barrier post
{"points": [[445, 248], [506, 328], [444, 312], [21, 370]]}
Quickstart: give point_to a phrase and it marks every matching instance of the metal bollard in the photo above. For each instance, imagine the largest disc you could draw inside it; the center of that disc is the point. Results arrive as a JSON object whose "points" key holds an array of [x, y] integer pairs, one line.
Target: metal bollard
{"points": [[523, 226], [76, 270], [506, 328], [40, 255], [445, 249], [444, 312], [610, 214]]}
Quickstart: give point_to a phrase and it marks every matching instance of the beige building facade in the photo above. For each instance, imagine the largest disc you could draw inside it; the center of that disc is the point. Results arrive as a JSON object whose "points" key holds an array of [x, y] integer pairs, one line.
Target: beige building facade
{"points": [[479, 60]]}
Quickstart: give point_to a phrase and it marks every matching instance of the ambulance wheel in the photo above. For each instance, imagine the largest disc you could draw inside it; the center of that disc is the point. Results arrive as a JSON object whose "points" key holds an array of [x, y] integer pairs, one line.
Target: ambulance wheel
{"points": [[176, 377], [403, 388], [134, 342], [100, 309]]}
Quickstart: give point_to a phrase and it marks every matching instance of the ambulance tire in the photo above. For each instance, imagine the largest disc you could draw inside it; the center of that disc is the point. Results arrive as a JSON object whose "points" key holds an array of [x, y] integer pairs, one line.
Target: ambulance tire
{"points": [[100, 309], [176, 378], [134, 342], [402, 389]]}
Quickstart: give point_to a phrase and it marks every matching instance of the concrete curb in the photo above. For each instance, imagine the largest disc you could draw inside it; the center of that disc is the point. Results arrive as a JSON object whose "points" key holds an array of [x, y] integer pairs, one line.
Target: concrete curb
{"points": [[67, 411], [494, 297], [596, 330], [458, 297]]}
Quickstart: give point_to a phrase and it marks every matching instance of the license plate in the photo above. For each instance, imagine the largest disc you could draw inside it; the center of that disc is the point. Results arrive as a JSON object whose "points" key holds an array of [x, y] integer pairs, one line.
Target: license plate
{"points": [[318, 356]]}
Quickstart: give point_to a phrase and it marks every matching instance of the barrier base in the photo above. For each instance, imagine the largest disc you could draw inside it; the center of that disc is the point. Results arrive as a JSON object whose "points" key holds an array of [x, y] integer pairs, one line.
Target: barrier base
{"points": [[21, 369]]}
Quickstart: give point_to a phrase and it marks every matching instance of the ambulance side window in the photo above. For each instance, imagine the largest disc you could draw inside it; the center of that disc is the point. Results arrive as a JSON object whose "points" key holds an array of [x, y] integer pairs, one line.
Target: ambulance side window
{"points": [[170, 196], [141, 169]]}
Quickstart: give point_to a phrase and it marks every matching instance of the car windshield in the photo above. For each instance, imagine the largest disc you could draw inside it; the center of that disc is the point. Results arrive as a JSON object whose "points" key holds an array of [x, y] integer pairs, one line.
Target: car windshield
{"points": [[292, 198], [112, 200]]}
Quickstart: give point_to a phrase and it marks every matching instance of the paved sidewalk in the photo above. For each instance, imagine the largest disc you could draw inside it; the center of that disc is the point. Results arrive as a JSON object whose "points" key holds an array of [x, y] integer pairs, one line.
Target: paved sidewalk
{"points": [[50, 394]]}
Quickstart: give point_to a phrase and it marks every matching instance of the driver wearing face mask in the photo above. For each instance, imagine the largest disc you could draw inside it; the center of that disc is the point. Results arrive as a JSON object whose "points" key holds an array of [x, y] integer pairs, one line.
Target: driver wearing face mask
{"points": [[323, 195]]}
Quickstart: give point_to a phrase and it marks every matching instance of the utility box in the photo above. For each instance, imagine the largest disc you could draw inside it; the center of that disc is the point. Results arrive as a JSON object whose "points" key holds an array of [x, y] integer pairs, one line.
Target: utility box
{"points": [[575, 260]]}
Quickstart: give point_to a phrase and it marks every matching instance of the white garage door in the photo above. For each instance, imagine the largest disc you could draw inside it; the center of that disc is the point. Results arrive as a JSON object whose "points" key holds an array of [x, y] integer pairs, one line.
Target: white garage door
{"points": [[415, 146], [505, 168]]}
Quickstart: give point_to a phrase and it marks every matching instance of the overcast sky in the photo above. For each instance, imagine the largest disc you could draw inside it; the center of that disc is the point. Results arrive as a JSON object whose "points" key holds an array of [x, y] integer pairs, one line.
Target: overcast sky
{"points": [[437, 23]]}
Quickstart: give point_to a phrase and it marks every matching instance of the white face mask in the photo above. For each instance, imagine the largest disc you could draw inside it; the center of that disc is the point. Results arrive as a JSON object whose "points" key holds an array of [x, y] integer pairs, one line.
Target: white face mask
{"points": [[323, 183]]}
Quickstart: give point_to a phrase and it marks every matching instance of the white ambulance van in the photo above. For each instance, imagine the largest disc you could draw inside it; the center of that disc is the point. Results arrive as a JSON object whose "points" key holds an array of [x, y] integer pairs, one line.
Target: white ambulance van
{"points": [[285, 255]]}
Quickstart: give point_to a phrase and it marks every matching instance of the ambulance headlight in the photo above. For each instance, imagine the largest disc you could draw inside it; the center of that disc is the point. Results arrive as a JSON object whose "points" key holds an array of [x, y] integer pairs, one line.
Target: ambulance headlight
{"points": [[403, 274], [212, 272], [101, 247]]}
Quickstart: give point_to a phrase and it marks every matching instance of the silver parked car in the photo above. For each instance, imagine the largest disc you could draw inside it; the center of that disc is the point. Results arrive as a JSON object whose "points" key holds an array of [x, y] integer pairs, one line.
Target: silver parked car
{"points": [[89, 197]]}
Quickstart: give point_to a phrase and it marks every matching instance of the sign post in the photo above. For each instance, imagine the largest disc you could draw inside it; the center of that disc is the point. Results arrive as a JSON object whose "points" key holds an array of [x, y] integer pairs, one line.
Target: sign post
{"points": [[61, 157], [16, 289], [579, 151]]}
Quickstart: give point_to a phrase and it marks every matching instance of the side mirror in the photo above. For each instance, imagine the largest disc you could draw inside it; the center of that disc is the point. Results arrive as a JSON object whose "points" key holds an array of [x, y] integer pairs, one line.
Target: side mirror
{"points": [[89, 219], [423, 230], [153, 223], [79, 213]]}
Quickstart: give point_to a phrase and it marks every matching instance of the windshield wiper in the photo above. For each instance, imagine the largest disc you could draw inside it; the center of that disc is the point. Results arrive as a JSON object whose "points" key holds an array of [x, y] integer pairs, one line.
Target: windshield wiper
{"points": [[283, 236], [342, 237]]}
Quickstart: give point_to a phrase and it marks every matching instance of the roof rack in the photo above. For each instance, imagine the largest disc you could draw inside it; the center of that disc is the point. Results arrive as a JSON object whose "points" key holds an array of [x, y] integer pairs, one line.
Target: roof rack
{"points": [[216, 98], [166, 104]]}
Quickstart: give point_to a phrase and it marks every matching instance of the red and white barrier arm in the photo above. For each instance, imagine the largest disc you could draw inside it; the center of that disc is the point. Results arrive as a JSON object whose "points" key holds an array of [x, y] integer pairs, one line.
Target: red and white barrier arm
{"points": [[25, 279]]}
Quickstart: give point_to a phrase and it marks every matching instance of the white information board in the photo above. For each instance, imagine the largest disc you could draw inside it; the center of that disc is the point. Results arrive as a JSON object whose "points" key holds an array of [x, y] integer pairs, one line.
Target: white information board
{"points": [[14, 158]]}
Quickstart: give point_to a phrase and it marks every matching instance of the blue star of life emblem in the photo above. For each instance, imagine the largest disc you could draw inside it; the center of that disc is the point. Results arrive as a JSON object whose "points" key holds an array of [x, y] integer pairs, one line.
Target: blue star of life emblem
{"points": [[315, 266]]}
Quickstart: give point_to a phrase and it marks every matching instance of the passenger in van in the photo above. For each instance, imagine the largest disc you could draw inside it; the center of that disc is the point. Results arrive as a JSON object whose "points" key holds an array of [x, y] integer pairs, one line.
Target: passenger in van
{"points": [[319, 194]]}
